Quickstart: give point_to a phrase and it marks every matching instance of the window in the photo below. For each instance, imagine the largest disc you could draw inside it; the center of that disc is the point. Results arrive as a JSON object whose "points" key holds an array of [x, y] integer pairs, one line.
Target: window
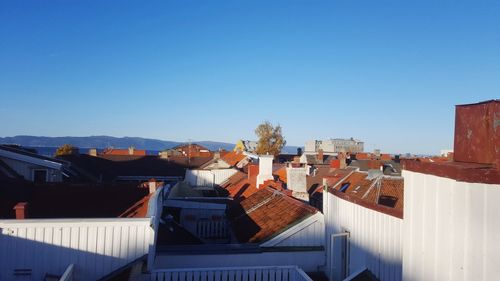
{"points": [[40, 176], [389, 201], [344, 187]]}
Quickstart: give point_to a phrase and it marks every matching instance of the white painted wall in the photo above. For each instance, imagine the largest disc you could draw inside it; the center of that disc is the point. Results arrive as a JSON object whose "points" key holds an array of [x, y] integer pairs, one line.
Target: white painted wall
{"points": [[208, 177], [308, 261], [375, 240], [95, 246], [265, 169], [26, 169], [451, 229]]}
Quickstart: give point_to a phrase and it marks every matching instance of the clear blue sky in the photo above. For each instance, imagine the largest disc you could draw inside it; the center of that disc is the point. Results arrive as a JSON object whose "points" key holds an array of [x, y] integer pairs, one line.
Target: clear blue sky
{"points": [[386, 72]]}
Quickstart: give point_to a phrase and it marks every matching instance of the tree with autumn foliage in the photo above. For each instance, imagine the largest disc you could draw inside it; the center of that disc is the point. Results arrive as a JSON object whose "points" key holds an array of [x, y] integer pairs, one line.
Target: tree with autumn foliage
{"points": [[271, 139], [66, 149]]}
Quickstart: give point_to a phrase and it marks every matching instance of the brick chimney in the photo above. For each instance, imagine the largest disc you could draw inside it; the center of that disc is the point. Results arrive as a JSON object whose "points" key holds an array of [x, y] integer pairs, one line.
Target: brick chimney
{"points": [[253, 170], [21, 210], [319, 156], [265, 169]]}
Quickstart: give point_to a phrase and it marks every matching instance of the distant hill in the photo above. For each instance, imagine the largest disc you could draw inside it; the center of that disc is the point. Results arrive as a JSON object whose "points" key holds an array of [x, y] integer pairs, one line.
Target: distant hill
{"points": [[107, 141]]}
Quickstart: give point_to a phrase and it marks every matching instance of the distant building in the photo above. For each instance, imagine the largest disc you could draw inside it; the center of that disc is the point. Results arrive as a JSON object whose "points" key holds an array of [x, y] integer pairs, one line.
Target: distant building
{"points": [[23, 164], [246, 145], [332, 146], [112, 151], [446, 152], [189, 150]]}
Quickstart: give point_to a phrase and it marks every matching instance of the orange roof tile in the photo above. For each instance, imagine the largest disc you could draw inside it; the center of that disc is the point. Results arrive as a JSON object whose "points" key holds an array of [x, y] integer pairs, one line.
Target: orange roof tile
{"points": [[112, 151], [388, 191], [139, 209], [232, 158], [265, 214]]}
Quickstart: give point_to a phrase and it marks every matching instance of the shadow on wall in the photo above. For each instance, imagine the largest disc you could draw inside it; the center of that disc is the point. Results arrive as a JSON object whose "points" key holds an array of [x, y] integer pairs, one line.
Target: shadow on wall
{"points": [[25, 259], [379, 266]]}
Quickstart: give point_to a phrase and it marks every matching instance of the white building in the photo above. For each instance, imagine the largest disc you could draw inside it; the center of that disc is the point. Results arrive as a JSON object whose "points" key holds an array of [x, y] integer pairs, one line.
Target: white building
{"points": [[334, 146]]}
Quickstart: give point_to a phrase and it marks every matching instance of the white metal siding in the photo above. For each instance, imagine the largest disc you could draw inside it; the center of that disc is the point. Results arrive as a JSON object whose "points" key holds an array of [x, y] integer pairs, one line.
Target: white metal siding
{"points": [[374, 242], [451, 229], [96, 247], [208, 178]]}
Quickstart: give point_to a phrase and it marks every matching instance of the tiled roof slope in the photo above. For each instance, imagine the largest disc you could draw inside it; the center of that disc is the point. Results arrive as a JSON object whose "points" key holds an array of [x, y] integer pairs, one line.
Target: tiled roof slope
{"points": [[382, 191], [234, 179], [265, 214], [139, 209], [232, 158]]}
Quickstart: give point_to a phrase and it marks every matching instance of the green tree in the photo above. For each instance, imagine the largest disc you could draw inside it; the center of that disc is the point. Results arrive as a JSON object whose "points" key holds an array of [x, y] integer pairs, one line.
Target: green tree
{"points": [[66, 149], [271, 139]]}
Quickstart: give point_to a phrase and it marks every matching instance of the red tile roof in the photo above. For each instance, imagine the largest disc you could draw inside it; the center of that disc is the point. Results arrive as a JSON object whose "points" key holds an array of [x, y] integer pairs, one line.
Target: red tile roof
{"points": [[139, 209], [232, 158], [265, 214], [112, 151], [384, 191]]}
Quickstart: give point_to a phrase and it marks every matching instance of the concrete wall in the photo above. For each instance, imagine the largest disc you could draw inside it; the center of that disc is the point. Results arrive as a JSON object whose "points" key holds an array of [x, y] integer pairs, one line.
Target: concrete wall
{"points": [[95, 246], [374, 242], [451, 229]]}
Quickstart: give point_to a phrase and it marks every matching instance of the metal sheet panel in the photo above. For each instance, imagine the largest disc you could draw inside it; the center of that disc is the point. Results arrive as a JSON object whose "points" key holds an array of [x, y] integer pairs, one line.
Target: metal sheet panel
{"points": [[451, 229], [96, 247], [477, 133], [375, 239]]}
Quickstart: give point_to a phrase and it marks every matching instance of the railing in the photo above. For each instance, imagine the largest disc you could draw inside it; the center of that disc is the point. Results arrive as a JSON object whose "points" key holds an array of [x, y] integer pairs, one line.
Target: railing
{"points": [[212, 229], [68, 274], [259, 273]]}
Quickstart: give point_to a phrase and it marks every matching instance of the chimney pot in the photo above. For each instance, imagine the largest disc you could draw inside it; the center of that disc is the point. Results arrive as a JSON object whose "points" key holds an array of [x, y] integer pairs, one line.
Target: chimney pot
{"points": [[21, 210]]}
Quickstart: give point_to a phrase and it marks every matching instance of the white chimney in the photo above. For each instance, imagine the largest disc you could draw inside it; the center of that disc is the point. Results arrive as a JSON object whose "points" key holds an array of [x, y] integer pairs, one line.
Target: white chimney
{"points": [[297, 183], [265, 169], [152, 186]]}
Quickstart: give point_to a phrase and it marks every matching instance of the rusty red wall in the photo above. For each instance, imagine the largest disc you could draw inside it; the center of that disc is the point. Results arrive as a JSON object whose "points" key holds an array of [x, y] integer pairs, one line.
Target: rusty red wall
{"points": [[477, 133], [335, 164]]}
